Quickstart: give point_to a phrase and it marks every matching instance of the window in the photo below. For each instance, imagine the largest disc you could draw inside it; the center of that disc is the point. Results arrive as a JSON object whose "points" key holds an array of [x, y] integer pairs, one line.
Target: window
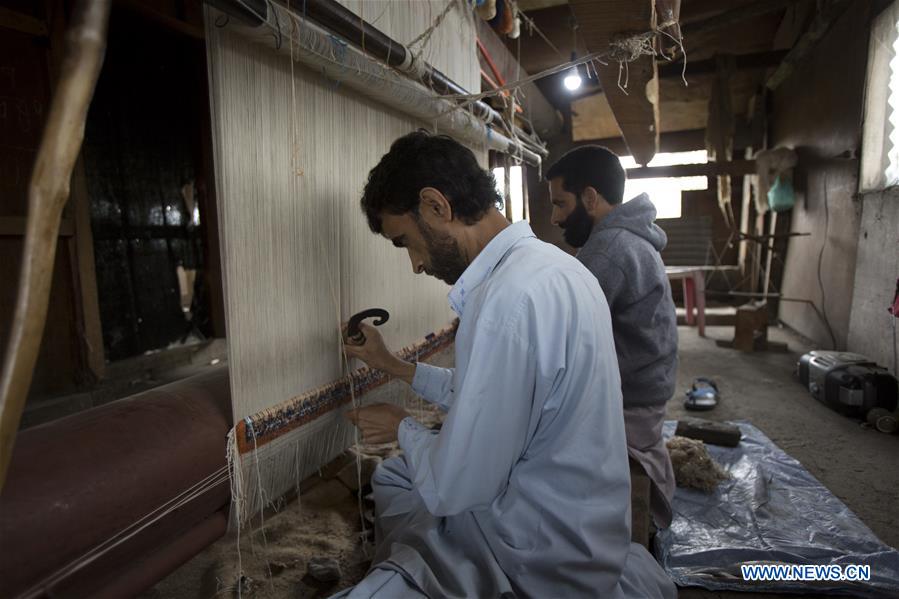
{"points": [[515, 190], [665, 193], [880, 134]]}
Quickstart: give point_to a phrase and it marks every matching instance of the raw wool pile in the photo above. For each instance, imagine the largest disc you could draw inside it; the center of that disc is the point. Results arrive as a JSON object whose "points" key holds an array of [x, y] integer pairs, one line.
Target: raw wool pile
{"points": [[694, 468], [275, 558], [320, 530]]}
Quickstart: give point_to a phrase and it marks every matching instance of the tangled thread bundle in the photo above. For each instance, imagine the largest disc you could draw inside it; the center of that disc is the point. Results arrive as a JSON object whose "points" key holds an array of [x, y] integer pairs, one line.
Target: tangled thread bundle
{"points": [[694, 468]]}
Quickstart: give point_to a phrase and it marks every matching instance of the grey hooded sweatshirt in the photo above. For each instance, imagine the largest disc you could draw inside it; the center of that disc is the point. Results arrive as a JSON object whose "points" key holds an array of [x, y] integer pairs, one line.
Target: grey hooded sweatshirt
{"points": [[623, 253]]}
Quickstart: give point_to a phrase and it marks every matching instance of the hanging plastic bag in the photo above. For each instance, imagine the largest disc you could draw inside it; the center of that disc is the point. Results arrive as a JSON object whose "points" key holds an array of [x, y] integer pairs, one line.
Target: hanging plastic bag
{"points": [[781, 196]]}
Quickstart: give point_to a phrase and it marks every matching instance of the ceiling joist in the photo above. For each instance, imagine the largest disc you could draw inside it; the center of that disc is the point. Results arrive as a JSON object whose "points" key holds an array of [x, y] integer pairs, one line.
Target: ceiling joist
{"points": [[636, 106]]}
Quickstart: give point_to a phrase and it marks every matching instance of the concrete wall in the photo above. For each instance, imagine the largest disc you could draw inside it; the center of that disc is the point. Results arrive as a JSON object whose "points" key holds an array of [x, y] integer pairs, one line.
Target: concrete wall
{"points": [[817, 111], [876, 272]]}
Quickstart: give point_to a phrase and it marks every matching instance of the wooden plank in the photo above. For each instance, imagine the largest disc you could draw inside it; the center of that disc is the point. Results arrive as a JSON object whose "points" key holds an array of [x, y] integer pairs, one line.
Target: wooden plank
{"points": [[81, 242], [708, 431], [676, 141], [742, 62], [699, 10], [11, 19], [710, 169], [636, 109], [85, 275], [14, 226], [167, 21], [735, 16], [824, 19]]}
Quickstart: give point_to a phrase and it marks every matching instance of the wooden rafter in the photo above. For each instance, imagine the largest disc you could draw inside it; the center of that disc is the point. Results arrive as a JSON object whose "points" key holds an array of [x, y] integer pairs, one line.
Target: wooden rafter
{"points": [[636, 107], [819, 27], [709, 169]]}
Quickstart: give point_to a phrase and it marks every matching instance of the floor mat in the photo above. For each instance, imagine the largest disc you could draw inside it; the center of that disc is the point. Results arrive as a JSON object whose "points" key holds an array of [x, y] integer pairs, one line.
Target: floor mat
{"points": [[771, 512]]}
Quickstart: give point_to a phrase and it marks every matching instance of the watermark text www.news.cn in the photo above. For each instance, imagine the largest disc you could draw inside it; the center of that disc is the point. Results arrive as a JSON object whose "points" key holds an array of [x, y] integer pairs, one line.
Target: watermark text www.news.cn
{"points": [[806, 572]]}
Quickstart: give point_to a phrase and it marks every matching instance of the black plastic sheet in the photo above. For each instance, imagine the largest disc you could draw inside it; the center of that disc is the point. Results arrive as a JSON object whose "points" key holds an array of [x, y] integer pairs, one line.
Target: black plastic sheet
{"points": [[771, 511]]}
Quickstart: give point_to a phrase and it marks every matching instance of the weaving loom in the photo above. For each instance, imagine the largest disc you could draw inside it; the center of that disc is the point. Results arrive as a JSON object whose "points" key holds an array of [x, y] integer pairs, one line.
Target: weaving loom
{"points": [[292, 152]]}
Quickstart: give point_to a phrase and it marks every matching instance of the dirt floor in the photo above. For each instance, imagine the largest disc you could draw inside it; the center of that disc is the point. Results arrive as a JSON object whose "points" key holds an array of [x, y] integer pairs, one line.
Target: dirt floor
{"points": [[856, 463]]}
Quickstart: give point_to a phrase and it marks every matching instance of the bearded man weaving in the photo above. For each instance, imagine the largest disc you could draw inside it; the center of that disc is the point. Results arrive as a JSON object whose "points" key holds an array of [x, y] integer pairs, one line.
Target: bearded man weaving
{"points": [[524, 492]]}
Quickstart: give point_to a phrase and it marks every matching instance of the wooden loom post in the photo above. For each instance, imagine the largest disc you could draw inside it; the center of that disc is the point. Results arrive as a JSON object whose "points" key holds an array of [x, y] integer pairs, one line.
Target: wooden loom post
{"points": [[48, 192]]}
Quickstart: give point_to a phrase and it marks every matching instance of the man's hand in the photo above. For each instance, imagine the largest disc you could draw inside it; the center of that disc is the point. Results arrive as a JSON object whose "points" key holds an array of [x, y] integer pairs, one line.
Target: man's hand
{"points": [[379, 423], [376, 355]]}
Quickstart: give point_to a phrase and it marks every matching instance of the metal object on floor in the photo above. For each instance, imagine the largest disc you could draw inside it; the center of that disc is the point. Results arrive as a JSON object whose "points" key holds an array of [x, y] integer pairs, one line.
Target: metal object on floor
{"points": [[883, 420], [702, 396], [849, 383]]}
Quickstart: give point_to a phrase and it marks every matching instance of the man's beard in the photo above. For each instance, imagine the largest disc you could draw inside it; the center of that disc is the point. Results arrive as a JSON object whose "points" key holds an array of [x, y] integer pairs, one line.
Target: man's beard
{"points": [[447, 262], [578, 225]]}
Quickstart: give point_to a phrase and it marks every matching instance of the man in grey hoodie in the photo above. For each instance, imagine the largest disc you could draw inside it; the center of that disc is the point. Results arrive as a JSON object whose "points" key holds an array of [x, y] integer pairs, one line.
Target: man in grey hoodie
{"points": [[620, 244]]}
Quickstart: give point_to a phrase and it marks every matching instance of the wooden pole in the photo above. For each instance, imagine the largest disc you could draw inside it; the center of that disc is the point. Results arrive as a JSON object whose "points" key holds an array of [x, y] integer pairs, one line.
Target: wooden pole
{"points": [[48, 192]]}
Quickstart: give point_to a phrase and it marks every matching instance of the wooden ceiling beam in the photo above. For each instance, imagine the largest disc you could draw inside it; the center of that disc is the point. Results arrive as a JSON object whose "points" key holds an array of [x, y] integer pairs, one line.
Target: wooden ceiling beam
{"points": [[636, 109], [737, 15], [822, 23], [675, 141], [709, 169], [742, 62]]}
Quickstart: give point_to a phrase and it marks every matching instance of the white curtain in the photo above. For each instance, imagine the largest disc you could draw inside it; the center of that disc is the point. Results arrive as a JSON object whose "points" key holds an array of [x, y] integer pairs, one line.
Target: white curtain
{"points": [[880, 135]]}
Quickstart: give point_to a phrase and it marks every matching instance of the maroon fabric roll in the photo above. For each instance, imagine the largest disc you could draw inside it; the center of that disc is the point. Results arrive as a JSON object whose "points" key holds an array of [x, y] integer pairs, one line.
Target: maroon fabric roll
{"points": [[75, 482]]}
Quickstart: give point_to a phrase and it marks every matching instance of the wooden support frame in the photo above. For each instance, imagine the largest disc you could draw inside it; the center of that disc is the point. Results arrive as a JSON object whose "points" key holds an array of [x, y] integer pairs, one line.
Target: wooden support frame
{"points": [[636, 108], [11, 19], [81, 245], [15, 226], [735, 16], [47, 197], [824, 19], [167, 21], [742, 62], [709, 169]]}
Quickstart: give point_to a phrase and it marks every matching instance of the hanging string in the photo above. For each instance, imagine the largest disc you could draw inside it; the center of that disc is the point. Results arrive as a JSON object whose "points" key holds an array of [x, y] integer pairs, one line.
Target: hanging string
{"points": [[532, 27], [616, 51], [295, 157], [415, 95], [263, 502], [344, 362], [425, 36]]}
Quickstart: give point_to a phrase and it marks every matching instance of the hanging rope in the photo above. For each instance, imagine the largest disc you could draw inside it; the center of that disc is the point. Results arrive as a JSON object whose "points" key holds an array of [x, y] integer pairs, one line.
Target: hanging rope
{"points": [[425, 36]]}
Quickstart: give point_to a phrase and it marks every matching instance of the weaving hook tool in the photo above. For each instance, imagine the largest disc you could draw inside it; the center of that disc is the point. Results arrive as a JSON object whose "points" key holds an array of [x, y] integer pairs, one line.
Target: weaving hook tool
{"points": [[353, 332]]}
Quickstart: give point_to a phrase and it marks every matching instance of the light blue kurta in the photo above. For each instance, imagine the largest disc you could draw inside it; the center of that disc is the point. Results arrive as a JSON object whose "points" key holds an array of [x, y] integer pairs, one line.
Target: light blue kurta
{"points": [[525, 490]]}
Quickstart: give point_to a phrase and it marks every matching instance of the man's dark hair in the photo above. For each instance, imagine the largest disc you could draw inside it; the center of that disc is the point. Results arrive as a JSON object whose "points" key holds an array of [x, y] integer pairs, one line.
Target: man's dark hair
{"points": [[590, 166], [420, 160]]}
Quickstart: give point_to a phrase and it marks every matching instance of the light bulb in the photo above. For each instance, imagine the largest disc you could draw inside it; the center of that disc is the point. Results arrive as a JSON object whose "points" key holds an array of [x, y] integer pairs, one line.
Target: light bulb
{"points": [[572, 80]]}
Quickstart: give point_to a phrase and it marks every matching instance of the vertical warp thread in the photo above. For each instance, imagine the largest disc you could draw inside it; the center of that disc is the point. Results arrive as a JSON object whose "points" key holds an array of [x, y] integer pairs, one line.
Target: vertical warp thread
{"points": [[291, 156]]}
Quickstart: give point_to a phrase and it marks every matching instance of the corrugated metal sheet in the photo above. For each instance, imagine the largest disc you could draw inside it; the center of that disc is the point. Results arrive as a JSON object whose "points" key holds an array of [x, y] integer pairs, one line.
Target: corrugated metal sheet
{"points": [[689, 240]]}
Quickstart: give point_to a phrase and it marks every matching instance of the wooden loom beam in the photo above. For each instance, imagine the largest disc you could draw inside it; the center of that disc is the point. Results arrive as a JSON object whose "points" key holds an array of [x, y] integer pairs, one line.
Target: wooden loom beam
{"points": [[47, 196], [636, 109]]}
